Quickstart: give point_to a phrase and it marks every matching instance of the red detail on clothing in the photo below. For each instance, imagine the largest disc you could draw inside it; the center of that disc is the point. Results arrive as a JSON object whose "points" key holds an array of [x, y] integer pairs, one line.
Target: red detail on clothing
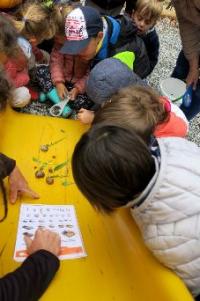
{"points": [[167, 104], [175, 125], [34, 94], [17, 70]]}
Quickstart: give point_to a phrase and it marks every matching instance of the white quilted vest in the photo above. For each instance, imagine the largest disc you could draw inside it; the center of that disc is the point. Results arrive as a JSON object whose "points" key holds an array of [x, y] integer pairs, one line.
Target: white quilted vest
{"points": [[169, 218]]}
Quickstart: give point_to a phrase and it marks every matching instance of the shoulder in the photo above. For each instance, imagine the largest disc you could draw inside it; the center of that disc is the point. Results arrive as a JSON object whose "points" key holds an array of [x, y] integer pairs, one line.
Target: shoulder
{"points": [[151, 36]]}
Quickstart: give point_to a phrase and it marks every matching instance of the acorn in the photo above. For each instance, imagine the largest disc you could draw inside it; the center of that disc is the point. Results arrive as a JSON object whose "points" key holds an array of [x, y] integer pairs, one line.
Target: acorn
{"points": [[49, 180], [44, 147], [39, 174], [68, 233], [28, 234]]}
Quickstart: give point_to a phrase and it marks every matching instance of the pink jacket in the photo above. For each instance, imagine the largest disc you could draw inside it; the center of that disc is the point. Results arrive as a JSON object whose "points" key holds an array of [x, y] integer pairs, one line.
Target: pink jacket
{"points": [[17, 71], [68, 68]]}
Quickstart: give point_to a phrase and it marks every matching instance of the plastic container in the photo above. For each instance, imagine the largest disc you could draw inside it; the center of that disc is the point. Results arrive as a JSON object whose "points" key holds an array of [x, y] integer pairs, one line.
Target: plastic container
{"points": [[174, 89]]}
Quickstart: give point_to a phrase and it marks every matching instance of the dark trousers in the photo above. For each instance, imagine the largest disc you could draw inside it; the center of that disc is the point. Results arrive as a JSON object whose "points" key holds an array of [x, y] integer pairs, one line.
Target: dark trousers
{"points": [[181, 71], [197, 298]]}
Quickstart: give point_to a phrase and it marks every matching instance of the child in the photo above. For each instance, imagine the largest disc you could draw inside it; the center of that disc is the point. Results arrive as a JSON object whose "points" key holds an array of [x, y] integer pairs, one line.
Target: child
{"points": [[113, 168], [94, 38], [15, 63], [145, 15], [138, 107], [105, 79], [36, 23], [66, 69], [145, 111]]}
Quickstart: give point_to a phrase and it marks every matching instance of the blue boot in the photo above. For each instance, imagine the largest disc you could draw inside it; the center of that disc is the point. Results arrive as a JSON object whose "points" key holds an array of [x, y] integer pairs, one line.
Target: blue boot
{"points": [[42, 97]]}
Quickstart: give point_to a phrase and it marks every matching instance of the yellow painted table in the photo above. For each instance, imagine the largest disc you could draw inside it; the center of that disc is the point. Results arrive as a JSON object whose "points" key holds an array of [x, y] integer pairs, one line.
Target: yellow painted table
{"points": [[118, 266]]}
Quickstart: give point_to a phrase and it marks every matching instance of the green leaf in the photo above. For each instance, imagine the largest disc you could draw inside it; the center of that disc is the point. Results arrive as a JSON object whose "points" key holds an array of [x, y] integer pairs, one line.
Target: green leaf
{"points": [[36, 160], [44, 164], [60, 166], [65, 183]]}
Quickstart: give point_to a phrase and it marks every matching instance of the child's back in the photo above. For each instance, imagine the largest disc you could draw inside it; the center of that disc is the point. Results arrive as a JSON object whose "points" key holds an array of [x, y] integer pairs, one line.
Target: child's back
{"points": [[168, 210]]}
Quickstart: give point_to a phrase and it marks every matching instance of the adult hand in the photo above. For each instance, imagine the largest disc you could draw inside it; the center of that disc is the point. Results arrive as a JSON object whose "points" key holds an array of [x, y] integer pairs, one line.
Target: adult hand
{"points": [[18, 185], [193, 74], [62, 90], [73, 93], [43, 240], [192, 77], [85, 116]]}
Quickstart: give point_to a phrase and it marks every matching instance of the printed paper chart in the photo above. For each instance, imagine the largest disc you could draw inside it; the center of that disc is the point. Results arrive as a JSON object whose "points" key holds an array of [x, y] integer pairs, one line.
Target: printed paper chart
{"points": [[58, 218]]}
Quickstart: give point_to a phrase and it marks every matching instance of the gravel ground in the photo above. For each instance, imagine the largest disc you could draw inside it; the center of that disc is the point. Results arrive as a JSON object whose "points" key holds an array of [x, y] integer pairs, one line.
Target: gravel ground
{"points": [[170, 47]]}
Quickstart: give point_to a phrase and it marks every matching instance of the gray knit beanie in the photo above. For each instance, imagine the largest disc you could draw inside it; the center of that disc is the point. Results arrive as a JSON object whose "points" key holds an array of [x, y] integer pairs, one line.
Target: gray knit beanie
{"points": [[108, 77]]}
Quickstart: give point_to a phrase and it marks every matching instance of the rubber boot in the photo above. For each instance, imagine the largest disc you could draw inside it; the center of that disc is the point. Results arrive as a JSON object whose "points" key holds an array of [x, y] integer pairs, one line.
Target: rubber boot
{"points": [[42, 97]]}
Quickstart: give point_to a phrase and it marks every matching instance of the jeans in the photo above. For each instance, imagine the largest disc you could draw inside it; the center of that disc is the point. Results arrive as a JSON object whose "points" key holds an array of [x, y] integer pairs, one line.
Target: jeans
{"points": [[181, 71]]}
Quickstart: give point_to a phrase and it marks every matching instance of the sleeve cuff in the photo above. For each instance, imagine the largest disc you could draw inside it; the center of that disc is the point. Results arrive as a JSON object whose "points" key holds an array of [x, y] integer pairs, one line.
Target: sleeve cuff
{"points": [[6, 166]]}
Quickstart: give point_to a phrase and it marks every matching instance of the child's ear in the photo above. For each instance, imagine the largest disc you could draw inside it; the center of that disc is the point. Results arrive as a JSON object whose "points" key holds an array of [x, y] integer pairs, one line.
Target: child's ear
{"points": [[100, 35]]}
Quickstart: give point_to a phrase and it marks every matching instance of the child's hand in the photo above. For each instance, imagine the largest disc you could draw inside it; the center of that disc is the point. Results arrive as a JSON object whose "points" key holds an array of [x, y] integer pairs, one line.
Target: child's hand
{"points": [[18, 185], [62, 90], [43, 240], [85, 116], [73, 93]]}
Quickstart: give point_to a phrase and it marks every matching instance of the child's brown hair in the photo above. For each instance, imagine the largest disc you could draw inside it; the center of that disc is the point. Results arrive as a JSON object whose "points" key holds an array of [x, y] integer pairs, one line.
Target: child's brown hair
{"points": [[137, 107], [149, 9], [8, 36], [111, 166], [33, 19]]}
